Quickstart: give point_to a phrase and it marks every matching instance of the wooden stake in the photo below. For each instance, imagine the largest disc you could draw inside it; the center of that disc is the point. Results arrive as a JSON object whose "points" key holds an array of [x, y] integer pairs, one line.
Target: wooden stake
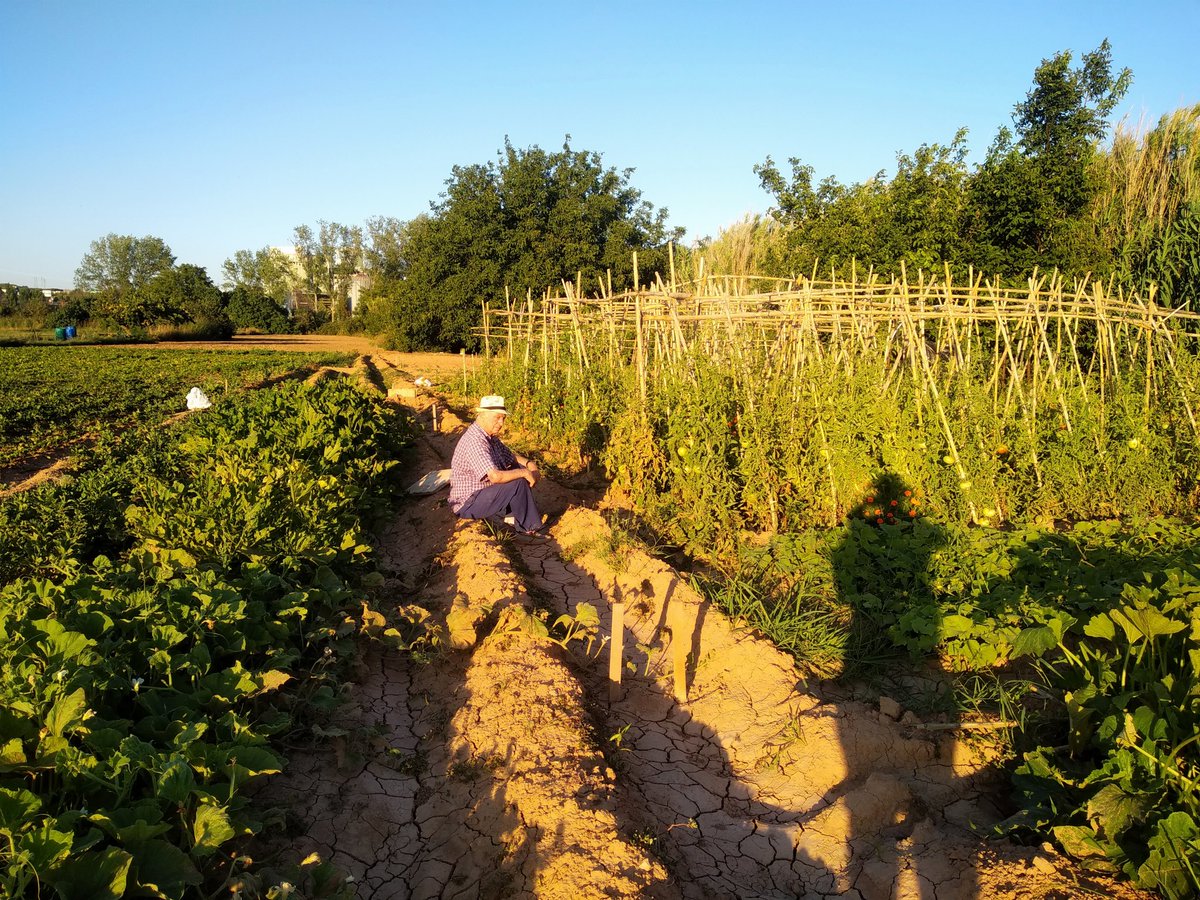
{"points": [[616, 652], [679, 652]]}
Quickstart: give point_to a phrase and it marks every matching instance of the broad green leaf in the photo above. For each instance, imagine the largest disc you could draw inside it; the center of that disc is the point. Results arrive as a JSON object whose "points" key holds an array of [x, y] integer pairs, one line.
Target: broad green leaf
{"points": [[587, 616], [176, 781], [166, 867], [1079, 841], [67, 713], [1168, 867], [533, 625], [45, 846], [271, 680], [140, 832], [12, 753], [460, 622], [17, 808], [954, 625], [60, 644], [1144, 623], [124, 827], [189, 734], [1113, 810], [95, 875], [1149, 724], [210, 830], [249, 761], [1034, 641], [1100, 626]]}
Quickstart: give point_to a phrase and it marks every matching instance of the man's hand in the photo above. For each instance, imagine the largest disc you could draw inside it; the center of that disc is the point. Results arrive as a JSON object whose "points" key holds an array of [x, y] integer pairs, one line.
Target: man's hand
{"points": [[531, 471]]}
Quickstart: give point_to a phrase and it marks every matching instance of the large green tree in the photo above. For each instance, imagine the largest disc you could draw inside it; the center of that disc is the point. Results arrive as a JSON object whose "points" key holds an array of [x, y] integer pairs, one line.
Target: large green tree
{"points": [[915, 217], [521, 222], [1029, 197], [1025, 206], [177, 295], [329, 257], [118, 263], [267, 271], [253, 310]]}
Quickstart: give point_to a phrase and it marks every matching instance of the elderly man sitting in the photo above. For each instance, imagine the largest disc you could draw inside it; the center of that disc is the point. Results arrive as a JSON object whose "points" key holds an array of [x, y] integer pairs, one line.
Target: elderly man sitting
{"points": [[488, 479]]}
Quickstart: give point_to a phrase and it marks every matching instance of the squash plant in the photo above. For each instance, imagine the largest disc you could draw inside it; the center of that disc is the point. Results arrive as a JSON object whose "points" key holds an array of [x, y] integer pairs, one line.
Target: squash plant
{"points": [[139, 693]]}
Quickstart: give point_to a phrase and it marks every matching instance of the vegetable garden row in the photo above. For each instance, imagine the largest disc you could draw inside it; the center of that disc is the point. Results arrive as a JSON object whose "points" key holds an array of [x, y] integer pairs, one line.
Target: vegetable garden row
{"points": [[999, 483], [51, 395], [167, 616]]}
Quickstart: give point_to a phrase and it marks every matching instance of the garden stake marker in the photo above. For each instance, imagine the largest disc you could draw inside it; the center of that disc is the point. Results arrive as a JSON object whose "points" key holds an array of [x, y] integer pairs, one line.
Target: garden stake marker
{"points": [[616, 651]]}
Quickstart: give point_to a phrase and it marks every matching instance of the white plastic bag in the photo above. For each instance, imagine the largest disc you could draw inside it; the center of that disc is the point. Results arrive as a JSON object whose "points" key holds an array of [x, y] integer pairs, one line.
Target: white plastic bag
{"points": [[197, 399], [431, 483]]}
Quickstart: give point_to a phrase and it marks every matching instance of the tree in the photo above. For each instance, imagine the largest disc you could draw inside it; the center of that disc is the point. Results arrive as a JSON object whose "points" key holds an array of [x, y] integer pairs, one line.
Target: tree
{"points": [[328, 259], [251, 309], [19, 299], [522, 222], [385, 251], [71, 308], [926, 201], [267, 271], [1028, 198], [118, 263], [912, 218], [175, 296]]}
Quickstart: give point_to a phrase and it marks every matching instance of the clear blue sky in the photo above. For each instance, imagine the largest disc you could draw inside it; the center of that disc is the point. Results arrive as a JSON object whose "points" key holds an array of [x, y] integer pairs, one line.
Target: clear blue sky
{"points": [[220, 126]]}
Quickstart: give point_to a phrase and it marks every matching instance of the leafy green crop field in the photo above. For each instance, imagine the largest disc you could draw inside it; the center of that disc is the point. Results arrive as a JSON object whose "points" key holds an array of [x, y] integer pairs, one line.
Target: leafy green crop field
{"points": [[167, 615], [51, 395]]}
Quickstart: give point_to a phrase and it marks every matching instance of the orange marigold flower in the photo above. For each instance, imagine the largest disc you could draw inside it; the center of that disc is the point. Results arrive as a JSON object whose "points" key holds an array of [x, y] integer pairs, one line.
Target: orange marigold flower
{"points": [[908, 493]]}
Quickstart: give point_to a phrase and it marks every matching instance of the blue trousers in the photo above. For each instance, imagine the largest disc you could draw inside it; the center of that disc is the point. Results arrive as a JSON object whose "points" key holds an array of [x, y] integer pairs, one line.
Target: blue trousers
{"points": [[513, 498]]}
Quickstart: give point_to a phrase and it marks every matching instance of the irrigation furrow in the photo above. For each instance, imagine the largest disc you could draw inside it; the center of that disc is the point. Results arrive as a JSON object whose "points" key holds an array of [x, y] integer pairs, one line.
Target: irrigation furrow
{"points": [[475, 775], [758, 785]]}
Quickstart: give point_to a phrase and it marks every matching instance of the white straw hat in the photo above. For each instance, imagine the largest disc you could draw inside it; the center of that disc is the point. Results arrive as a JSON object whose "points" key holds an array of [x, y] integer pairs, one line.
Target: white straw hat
{"points": [[491, 403]]}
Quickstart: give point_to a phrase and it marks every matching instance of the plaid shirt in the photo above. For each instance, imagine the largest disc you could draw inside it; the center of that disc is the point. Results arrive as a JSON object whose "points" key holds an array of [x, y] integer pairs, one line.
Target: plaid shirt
{"points": [[476, 454]]}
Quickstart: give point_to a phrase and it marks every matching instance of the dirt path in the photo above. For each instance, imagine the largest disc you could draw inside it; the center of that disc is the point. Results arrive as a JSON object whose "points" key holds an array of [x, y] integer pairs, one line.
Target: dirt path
{"points": [[504, 769], [478, 774], [435, 366]]}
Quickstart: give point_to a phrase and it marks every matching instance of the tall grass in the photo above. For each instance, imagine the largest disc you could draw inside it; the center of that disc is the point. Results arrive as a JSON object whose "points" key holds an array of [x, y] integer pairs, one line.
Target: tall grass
{"points": [[753, 244], [1148, 209]]}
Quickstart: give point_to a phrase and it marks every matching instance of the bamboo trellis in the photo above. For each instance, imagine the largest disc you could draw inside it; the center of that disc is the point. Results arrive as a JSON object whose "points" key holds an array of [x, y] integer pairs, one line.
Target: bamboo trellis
{"points": [[1050, 352], [660, 322]]}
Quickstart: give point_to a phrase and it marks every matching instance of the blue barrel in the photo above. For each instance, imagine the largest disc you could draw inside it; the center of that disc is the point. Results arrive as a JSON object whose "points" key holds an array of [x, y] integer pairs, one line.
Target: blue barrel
{"points": [[70, 331], [60, 333]]}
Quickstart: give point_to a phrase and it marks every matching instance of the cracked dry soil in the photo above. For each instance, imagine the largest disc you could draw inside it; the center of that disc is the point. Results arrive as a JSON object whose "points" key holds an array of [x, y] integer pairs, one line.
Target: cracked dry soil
{"points": [[480, 773]]}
